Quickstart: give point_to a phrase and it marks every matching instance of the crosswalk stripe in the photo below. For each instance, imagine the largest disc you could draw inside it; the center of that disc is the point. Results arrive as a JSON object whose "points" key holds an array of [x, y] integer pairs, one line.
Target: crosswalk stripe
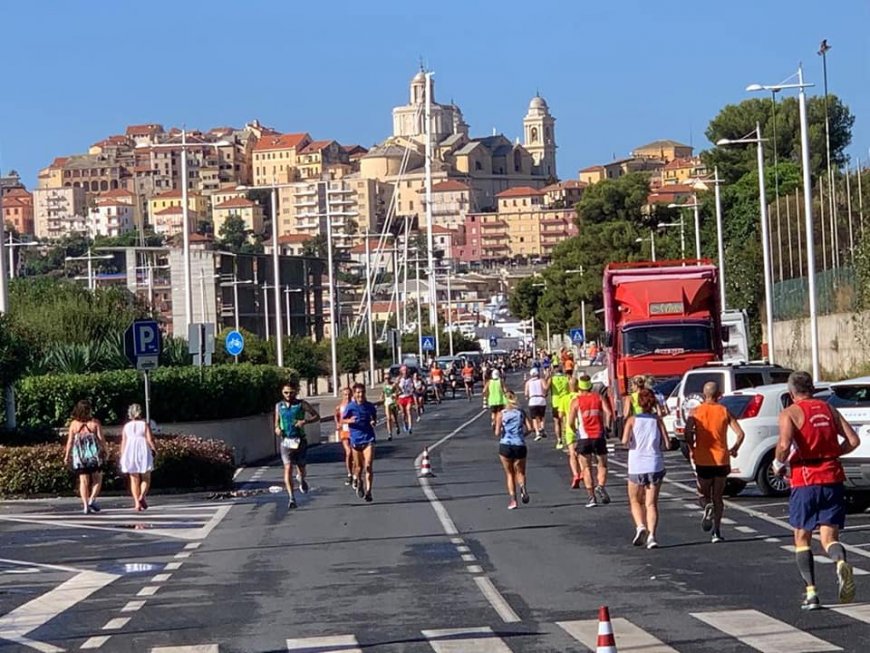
{"points": [[328, 644], [198, 648], [629, 638], [764, 633], [465, 640], [857, 611]]}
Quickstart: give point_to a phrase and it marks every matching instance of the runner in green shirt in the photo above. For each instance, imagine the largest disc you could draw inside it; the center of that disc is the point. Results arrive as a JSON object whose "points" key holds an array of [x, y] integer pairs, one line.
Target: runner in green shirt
{"points": [[495, 399], [557, 384]]}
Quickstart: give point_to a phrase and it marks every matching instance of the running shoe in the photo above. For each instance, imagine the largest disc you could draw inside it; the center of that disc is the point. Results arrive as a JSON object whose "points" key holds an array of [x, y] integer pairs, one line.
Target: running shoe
{"points": [[410, 431], [602, 495], [360, 490], [303, 486], [651, 543], [560, 445], [811, 602], [639, 536], [348, 480], [845, 582], [707, 519], [389, 437], [524, 494], [538, 437], [291, 504], [95, 507], [368, 497], [512, 505], [717, 538], [593, 502], [575, 483]]}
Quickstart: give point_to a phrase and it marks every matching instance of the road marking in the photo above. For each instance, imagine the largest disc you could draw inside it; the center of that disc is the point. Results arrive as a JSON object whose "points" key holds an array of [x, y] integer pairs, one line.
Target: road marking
{"points": [[468, 557], [172, 566], [181, 555], [727, 520], [496, 600], [150, 590], [133, 606], [858, 611], [465, 640], [628, 636], [745, 529], [332, 644], [200, 648], [26, 618], [95, 642], [161, 578], [764, 633], [193, 545], [117, 623], [463, 549], [474, 569], [456, 540]]}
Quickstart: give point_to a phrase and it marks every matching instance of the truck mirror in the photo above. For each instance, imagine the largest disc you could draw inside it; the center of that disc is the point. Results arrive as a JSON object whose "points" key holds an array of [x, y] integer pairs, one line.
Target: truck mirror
{"points": [[726, 333], [608, 339]]}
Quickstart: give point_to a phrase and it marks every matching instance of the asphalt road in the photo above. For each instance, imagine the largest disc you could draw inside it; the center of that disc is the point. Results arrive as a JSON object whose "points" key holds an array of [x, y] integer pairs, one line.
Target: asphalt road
{"points": [[433, 565]]}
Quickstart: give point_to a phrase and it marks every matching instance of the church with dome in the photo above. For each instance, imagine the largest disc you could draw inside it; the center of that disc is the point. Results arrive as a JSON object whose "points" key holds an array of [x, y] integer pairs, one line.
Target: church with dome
{"points": [[485, 165]]}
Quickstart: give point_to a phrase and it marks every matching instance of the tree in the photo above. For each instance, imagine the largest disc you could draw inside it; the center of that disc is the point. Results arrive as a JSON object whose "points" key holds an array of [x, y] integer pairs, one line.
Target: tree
{"points": [[17, 347], [623, 199], [234, 234], [524, 298], [315, 246]]}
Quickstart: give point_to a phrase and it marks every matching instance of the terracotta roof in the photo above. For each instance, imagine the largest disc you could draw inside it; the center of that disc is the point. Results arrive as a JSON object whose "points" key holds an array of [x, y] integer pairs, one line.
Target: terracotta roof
{"points": [[170, 210], [290, 239], [200, 238], [17, 192], [281, 142], [676, 189], [10, 202], [449, 185], [174, 194], [315, 146], [106, 201], [360, 248], [520, 191], [677, 164], [592, 169], [59, 162], [116, 193], [382, 307], [658, 145], [354, 149], [143, 130], [565, 185], [438, 229], [236, 203]]}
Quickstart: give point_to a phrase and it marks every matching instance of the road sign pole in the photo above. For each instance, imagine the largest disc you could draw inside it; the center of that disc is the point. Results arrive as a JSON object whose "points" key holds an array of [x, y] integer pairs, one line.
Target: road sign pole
{"points": [[147, 397]]}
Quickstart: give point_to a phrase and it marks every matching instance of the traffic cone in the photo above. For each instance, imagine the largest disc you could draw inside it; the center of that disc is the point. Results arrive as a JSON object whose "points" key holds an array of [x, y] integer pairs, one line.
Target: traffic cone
{"points": [[606, 641], [425, 465]]}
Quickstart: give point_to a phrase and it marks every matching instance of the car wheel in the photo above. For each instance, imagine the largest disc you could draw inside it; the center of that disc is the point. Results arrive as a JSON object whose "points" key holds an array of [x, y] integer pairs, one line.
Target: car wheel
{"points": [[857, 502], [769, 483], [734, 486]]}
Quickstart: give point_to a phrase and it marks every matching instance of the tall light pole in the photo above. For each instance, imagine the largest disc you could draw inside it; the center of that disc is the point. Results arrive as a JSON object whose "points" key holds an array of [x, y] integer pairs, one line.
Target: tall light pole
{"points": [[682, 227], [371, 326], [583, 301], [430, 240], [808, 210], [90, 258], [4, 283], [652, 244], [12, 245], [696, 206], [287, 291], [758, 141], [701, 184], [832, 201]]}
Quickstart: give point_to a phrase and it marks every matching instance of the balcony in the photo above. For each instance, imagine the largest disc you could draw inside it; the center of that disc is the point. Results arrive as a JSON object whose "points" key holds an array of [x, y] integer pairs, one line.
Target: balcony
{"points": [[495, 224]]}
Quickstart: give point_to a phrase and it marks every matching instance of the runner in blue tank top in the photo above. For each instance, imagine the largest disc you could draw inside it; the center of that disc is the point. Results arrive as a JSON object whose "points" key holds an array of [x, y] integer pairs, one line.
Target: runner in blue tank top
{"points": [[512, 451]]}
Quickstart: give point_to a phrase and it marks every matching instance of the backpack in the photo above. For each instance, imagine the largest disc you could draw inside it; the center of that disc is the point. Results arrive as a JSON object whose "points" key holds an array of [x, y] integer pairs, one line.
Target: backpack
{"points": [[85, 450]]}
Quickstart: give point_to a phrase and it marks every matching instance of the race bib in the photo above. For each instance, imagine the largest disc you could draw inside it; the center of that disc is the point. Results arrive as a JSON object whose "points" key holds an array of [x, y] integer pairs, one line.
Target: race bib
{"points": [[292, 443]]}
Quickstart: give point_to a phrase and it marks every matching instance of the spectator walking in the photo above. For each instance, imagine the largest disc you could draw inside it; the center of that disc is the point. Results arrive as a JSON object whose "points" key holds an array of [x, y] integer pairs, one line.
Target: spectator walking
{"points": [[137, 455], [86, 451]]}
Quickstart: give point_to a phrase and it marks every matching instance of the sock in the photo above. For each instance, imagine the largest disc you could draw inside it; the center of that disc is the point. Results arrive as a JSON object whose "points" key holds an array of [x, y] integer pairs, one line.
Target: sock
{"points": [[804, 558], [836, 552]]}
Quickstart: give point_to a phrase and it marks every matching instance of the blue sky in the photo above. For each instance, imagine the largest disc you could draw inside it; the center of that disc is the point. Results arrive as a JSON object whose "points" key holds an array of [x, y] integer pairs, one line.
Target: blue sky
{"points": [[615, 74]]}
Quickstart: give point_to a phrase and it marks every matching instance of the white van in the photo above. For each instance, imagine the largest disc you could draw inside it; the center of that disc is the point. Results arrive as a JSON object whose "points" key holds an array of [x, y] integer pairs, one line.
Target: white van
{"points": [[852, 399], [735, 324]]}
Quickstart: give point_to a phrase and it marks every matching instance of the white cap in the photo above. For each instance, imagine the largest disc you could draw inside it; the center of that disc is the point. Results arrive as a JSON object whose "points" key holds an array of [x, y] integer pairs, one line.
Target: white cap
{"points": [[495, 374], [534, 371]]}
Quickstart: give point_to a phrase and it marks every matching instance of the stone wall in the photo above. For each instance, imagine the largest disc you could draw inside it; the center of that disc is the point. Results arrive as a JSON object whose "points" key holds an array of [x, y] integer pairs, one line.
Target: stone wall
{"points": [[844, 344]]}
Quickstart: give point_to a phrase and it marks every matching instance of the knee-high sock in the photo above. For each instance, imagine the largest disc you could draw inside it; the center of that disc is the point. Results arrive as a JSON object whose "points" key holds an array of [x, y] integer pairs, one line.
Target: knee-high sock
{"points": [[804, 558], [836, 552]]}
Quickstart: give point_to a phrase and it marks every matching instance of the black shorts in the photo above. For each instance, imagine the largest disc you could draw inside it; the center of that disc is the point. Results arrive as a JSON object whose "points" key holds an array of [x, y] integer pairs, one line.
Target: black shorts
{"points": [[512, 451], [589, 446], [496, 409], [88, 471], [362, 446], [537, 412], [708, 472]]}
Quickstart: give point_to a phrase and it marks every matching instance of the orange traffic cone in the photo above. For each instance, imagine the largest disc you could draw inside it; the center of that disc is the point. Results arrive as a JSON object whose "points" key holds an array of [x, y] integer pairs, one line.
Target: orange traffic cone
{"points": [[425, 465], [606, 641]]}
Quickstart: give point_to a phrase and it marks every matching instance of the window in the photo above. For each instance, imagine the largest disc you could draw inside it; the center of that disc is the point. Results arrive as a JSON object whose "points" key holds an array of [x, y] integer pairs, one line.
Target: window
{"points": [[748, 380], [534, 135]]}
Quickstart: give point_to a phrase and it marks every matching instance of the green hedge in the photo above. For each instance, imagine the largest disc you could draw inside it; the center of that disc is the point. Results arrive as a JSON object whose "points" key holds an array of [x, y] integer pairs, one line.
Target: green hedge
{"points": [[178, 394], [182, 462]]}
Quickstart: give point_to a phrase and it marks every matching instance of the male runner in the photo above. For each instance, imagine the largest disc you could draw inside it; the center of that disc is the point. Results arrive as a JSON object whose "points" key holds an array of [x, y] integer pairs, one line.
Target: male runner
{"points": [[557, 385], [707, 437], [570, 436], [809, 439], [590, 415], [536, 394], [361, 416], [468, 379], [290, 421]]}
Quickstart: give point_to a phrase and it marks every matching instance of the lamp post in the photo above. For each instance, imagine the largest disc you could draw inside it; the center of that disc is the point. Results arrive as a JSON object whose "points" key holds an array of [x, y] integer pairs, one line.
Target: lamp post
{"points": [[652, 243], [287, 291], [694, 205], [701, 184], [832, 202], [371, 326], [583, 301], [90, 258], [682, 227], [202, 302], [235, 283], [4, 291], [12, 245], [808, 209], [765, 232]]}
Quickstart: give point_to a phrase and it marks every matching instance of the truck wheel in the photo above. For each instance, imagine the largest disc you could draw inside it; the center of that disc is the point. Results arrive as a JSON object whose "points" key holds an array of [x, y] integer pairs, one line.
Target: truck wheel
{"points": [[769, 483], [734, 486]]}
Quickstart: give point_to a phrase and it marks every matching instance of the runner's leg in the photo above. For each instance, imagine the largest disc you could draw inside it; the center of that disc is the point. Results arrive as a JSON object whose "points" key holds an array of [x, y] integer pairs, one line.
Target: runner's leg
{"points": [[144, 486], [508, 467], [717, 495], [652, 508], [803, 554], [348, 457], [573, 461], [288, 478], [586, 471], [602, 469], [96, 486], [368, 460], [638, 506], [85, 489]]}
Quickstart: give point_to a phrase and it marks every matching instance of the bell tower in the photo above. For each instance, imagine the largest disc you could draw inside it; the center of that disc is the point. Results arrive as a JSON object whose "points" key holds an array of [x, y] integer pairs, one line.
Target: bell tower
{"points": [[539, 128]]}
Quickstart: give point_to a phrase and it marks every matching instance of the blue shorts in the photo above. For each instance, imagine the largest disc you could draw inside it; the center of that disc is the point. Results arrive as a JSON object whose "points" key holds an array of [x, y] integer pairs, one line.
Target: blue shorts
{"points": [[815, 505]]}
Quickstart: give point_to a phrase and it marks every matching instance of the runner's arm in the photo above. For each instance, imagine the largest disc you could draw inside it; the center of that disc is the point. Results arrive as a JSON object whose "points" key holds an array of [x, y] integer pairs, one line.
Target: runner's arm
{"points": [[149, 438], [309, 409], [101, 441], [735, 426], [666, 440], [786, 437], [689, 432], [626, 430], [277, 421], [845, 429], [608, 414], [572, 413]]}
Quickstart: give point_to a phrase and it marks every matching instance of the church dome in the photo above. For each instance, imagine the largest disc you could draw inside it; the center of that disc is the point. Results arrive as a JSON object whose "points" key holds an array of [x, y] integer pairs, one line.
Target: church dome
{"points": [[538, 103], [419, 77]]}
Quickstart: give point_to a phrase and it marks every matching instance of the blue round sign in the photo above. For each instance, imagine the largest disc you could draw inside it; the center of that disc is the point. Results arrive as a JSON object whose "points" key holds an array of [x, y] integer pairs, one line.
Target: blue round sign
{"points": [[235, 343]]}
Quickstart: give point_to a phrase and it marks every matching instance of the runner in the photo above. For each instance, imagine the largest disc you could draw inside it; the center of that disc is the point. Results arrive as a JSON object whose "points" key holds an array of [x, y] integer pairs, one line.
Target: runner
{"points": [[512, 450], [391, 407], [571, 436], [361, 416], [646, 438], [436, 375], [707, 437], [452, 375], [649, 381], [419, 395], [589, 416], [290, 421], [494, 398], [630, 404], [536, 394], [809, 439], [468, 379], [86, 451], [342, 434], [406, 398], [557, 386]]}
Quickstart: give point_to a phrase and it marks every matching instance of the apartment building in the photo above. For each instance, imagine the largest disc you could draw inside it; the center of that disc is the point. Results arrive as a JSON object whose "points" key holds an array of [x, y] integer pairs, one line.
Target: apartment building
{"points": [[18, 210], [58, 212]]}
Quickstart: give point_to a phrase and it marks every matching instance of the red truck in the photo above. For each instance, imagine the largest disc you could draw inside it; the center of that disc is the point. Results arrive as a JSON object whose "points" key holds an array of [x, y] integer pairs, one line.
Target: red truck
{"points": [[659, 318]]}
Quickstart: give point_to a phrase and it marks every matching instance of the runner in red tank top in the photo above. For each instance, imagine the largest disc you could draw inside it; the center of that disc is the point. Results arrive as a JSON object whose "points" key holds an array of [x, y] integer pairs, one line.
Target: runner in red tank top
{"points": [[810, 433]]}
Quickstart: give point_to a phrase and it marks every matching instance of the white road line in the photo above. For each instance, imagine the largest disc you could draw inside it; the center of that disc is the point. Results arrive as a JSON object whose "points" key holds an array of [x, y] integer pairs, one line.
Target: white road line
{"points": [[332, 644], [463, 549], [465, 640], [161, 578], [468, 557], [496, 600], [37, 612], [666, 495], [193, 545], [745, 529], [456, 540], [474, 569], [764, 633], [181, 555], [117, 623], [37, 564], [628, 636], [729, 521], [42, 647], [95, 642], [150, 590], [133, 606], [858, 611], [825, 560], [773, 540], [200, 648], [172, 566]]}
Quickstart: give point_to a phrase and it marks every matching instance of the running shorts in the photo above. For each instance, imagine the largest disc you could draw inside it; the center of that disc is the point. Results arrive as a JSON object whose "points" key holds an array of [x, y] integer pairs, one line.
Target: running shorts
{"points": [[537, 412], [496, 409], [362, 446], [648, 479], [512, 451], [404, 402], [709, 472], [294, 456], [815, 505], [589, 446]]}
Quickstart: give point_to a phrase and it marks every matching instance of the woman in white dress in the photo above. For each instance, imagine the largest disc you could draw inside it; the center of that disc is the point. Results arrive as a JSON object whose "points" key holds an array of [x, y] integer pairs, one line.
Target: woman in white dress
{"points": [[137, 455]]}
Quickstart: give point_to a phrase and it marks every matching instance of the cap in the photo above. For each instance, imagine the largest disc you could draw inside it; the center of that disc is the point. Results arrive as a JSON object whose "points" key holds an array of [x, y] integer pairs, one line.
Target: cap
{"points": [[584, 384], [495, 374], [534, 371]]}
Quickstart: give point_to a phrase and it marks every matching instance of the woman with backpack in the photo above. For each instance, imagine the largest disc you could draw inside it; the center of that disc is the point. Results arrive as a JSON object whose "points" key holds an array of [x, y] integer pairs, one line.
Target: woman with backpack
{"points": [[85, 450]]}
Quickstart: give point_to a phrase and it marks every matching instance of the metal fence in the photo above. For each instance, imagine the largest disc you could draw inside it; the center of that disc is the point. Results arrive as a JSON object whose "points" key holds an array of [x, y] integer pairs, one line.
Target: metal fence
{"points": [[836, 292]]}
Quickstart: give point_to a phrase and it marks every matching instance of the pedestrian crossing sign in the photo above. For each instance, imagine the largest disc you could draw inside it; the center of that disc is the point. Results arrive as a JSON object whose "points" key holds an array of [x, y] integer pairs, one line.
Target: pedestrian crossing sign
{"points": [[577, 336], [427, 343]]}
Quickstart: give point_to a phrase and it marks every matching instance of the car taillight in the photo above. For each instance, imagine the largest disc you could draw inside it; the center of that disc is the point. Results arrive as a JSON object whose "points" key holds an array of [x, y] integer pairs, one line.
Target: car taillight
{"points": [[753, 407]]}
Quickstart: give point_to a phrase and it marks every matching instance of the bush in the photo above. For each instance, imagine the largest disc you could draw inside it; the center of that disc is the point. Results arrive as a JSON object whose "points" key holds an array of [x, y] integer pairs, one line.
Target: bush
{"points": [[182, 462], [178, 394]]}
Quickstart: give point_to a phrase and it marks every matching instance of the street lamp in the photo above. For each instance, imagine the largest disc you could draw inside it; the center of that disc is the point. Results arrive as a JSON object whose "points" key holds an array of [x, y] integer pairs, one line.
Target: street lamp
{"points": [[765, 232], [682, 226], [652, 243], [808, 209], [90, 258], [287, 291], [583, 301], [235, 283], [11, 245], [694, 205], [701, 184]]}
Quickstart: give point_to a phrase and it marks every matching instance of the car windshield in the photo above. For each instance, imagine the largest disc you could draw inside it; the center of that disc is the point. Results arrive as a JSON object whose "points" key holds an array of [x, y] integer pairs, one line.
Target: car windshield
{"points": [[666, 339], [666, 387], [694, 383], [850, 396]]}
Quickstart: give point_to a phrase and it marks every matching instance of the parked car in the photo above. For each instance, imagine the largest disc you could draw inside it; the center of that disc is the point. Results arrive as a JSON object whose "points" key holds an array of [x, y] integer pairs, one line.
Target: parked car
{"points": [[852, 398], [729, 376]]}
